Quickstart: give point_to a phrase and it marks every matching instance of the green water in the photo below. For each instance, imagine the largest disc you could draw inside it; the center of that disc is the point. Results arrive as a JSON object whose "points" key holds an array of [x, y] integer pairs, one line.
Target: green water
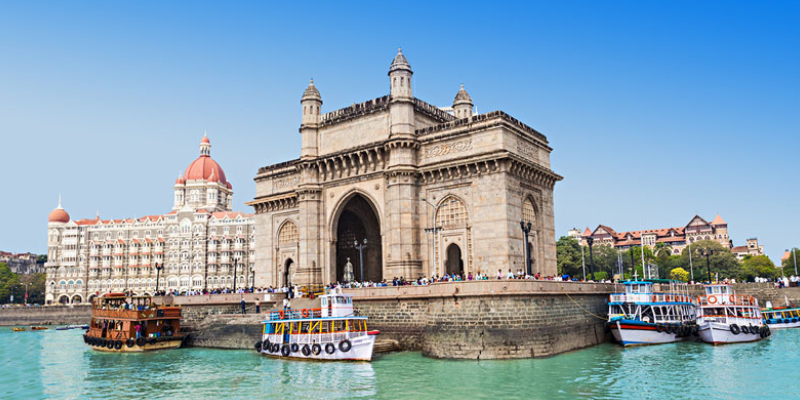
{"points": [[58, 365]]}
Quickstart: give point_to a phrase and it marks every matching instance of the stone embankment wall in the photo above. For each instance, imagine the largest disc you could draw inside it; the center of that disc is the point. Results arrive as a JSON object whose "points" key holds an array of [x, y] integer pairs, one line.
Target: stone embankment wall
{"points": [[51, 315], [489, 319]]}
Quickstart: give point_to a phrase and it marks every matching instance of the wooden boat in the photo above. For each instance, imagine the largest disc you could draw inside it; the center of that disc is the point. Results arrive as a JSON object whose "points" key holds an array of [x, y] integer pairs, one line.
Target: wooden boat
{"points": [[726, 317], [115, 317], [330, 333], [39, 328], [18, 329], [641, 317]]}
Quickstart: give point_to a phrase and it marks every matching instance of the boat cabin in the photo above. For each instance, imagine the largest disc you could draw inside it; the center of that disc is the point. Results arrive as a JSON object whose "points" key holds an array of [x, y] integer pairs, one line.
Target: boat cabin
{"points": [[336, 305]]}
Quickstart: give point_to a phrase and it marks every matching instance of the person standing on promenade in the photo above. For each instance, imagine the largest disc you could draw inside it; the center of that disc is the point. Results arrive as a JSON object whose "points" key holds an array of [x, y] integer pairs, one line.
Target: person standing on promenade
{"points": [[243, 303], [258, 305]]}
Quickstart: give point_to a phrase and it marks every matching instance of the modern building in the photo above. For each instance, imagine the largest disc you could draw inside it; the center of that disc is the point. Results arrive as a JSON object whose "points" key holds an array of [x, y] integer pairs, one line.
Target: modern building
{"points": [[430, 191], [200, 244], [676, 237]]}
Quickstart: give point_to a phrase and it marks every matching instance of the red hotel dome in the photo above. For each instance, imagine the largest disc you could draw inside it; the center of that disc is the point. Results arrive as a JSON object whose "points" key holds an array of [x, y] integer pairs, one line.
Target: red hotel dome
{"points": [[203, 167], [59, 214]]}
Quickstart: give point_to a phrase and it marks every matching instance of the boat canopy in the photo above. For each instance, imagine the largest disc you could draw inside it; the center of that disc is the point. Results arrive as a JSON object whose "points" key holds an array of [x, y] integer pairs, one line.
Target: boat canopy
{"points": [[336, 305], [718, 289], [638, 287]]}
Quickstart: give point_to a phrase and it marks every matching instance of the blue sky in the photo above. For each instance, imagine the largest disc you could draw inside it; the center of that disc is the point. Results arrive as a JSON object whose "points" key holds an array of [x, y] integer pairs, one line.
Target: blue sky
{"points": [[655, 111]]}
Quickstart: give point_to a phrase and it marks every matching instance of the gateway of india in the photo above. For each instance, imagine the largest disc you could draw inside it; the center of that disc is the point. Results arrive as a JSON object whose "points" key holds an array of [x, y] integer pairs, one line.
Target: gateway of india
{"points": [[422, 190]]}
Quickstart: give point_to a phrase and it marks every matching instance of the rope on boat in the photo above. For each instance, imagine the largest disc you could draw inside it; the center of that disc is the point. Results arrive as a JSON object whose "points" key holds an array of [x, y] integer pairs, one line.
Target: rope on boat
{"points": [[580, 306]]}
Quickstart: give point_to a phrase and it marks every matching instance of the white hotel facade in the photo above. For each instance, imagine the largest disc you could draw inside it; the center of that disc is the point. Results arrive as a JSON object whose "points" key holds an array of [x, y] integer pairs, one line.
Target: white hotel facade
{"points": [[201, 244]]}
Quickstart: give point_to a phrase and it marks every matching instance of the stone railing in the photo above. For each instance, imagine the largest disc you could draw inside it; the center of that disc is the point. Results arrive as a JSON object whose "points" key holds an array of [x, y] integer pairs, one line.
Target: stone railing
{"points": [[484, 288]]}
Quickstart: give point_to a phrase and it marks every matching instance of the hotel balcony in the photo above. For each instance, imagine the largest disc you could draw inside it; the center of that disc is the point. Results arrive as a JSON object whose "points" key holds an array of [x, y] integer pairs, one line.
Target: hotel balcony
{"points": [[106, 252]]}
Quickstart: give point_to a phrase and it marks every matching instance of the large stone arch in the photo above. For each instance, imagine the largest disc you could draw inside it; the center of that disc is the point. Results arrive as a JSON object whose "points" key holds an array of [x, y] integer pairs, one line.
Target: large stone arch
{"points": [[356, 217], [63, 299], [453, 217], [76, 299]]}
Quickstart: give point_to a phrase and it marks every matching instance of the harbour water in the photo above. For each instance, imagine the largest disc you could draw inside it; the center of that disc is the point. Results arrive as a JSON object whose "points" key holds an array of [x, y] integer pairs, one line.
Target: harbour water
{"points": [[57, 365]]}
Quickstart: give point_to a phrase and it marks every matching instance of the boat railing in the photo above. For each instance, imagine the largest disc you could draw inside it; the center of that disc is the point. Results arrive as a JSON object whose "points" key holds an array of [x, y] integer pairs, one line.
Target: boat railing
{"points": [[650, 298], [294, 314], [724, 299], [312, 338], [164, 312]]}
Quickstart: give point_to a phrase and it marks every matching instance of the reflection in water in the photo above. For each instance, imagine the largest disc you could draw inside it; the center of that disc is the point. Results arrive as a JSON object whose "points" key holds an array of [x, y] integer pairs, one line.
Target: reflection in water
{"points": [[56, 364]]}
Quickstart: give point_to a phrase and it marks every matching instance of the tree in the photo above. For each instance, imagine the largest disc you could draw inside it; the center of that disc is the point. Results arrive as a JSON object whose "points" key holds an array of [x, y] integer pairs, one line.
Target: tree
{"points": [[679, 274], [605, 260], [36, 287], [722, 261], [8, 282], [663, 250], [568, 256], [758, 266], [788, 264]]}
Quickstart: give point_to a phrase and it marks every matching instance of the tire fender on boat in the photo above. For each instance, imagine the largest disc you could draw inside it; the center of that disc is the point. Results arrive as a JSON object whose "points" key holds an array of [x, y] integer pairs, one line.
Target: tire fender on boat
{"points": [[735, 329], [306, 350], [330, 348], [152, 340], [276, 347], [745, 329], [130, 342], [117, 344], [285, 350], [266, 345], [316, 349], [345, 346], [258, 346], [295, 347], [141, 341]]}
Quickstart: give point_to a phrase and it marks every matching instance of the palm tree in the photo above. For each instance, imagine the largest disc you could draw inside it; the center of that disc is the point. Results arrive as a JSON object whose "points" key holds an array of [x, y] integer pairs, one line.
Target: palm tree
{"points": [[663, 250]]}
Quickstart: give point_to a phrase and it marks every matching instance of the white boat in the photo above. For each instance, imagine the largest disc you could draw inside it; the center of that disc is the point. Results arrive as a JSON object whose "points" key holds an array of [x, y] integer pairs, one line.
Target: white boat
{"points": [[330, 333], [641, 317], [726, 317]]}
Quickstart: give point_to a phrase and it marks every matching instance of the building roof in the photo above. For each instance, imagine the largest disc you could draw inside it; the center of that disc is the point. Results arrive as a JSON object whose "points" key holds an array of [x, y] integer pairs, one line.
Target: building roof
{"points": [[718, 221], [311, 93], [58, 215], [587, 232], [462, 97], [739, 249], [399, 62], [786, 255], [204, 166]]}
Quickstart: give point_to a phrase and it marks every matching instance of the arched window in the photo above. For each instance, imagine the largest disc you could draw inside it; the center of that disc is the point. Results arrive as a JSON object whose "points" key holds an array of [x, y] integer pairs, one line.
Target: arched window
{"points": [[452, 213], [528, 212], [288, 234], [197, 281]]}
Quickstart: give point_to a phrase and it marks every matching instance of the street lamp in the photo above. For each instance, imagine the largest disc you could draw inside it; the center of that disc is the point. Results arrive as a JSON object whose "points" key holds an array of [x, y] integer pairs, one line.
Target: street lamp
{"points": [[235, 264], [794, 250], [159, 267], [526, 229], [435, 229], [590, 241], [253, 282], [707, 253], [360, 248]]}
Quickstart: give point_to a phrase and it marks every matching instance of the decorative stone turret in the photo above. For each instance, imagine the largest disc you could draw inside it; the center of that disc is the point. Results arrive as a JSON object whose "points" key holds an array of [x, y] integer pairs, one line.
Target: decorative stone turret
{"points": [[311, 102], [462, 105], [401, 106], [180, 192]]}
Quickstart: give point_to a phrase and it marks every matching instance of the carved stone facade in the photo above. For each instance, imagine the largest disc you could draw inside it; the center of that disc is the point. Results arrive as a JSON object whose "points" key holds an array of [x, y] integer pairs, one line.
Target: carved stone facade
{"points": [[378, 170]]}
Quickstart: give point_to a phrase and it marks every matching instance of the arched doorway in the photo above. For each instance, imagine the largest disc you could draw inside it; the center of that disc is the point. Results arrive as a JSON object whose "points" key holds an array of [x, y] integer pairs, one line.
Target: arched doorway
{"points": [[76, 299], [63, 300], [454, 263], [356, 222], [287, 271]]}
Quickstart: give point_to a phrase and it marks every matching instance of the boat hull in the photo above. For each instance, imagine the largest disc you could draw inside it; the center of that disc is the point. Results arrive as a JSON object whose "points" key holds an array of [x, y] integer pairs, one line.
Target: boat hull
{"points": [[784, 325], [361, 350], [159, 345], [635, 333], [720, 333]]}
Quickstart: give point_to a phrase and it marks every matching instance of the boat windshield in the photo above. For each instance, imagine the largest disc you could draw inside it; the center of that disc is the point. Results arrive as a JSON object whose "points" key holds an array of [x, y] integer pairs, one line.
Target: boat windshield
{"points": [[717, 289]]}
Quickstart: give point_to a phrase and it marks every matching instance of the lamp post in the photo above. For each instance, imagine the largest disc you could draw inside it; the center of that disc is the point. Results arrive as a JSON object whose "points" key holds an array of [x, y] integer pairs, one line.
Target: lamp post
{"points": [[526, 229], [253, 281], [583, 263], [707, 253], [360, 248], [794, 257], [590, 241], [159, 267], [633, 263], [235, 264]]}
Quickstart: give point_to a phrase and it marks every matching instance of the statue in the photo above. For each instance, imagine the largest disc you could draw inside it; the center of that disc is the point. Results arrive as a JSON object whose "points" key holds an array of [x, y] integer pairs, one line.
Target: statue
{"points": [[348, 271]]}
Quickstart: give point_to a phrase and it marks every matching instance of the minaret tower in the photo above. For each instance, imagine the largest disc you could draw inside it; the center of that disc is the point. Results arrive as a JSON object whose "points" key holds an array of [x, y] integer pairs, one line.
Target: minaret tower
{"points": [[402, 103], [462, 105], [311, 103]]}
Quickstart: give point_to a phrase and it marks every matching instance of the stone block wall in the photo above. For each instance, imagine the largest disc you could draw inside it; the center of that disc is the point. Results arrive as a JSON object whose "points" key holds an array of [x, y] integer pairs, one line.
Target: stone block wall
{"points": [[51, 315]]}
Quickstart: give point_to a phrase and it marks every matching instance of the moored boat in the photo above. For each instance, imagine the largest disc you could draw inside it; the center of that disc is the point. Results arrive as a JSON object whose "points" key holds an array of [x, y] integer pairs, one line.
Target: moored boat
{"points": [[18, 329], [330, 333], [641, 317], [123, 323], [39, 328], [726, 317], [781, 317]]}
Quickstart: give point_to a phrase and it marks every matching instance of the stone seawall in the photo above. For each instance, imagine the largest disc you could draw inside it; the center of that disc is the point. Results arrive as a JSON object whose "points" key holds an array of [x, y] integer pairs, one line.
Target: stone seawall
{"points": [[51, 315], [489, 319]]}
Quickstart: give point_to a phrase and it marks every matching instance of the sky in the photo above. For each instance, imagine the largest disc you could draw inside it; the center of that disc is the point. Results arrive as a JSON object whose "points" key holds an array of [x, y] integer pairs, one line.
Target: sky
{"points": [[656, 111]]}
